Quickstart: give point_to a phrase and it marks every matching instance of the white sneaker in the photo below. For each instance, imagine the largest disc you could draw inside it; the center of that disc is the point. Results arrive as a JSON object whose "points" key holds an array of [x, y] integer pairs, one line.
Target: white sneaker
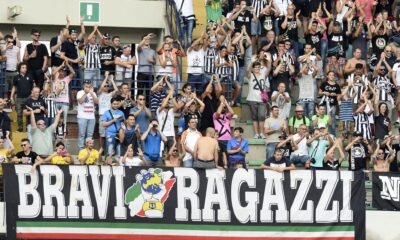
{"points": [[261, 136], [256, 136]]}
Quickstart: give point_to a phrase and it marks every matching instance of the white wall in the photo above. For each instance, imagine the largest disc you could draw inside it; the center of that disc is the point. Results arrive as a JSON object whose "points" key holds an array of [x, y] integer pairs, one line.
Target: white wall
{"points": [[113, 13]]}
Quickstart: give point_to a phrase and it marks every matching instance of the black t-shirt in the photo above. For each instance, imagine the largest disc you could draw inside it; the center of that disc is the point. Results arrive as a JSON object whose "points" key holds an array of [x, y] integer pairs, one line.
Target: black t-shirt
{"points": [[286, 151], [244, 19], [357, 155], [107, 54], [315, 40], [130, 138], [35, 104], [267, 23], [55, 56], [336, 43], [381, 126], [326, 87], [126, 106], [23, 85], [31, 156], [328, 165], [284, 162], [41, 52], [70, 50], [379, 43], [291, 28]]}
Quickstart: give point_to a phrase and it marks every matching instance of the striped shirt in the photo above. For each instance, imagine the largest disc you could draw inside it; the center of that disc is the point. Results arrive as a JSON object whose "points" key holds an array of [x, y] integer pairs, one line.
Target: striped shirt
{"points": [[156, 99], [92, 56], [235, 68], [358, 86], [258, 5], [385, 87], [51, 107], [362, 125], [209, 58], [346, 110], [223, 70]]}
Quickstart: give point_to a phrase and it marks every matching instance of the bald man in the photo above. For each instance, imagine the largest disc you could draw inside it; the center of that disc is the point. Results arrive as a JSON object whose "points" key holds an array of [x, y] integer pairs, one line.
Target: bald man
{"points": [[206, 151]]}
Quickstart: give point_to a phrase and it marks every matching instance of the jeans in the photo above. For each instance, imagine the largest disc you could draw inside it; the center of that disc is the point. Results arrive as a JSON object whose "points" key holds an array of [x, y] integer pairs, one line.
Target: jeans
{"points": [[276, 27], [28, 131], [48, 121], [112, 146], [247, 55], [144, 83], [187, 29], [94, 76], [308, 108], [297, 47], [241, 81], [196, 81], [324, 48], [299, 159], [188, 163], [64, 107], [271, 149], [86, 129]]}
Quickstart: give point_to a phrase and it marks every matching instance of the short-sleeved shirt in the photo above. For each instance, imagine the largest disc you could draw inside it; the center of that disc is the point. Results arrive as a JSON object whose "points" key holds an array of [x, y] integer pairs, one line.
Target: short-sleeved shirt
{"points": [[58, 160], [104, 102], [142, 119], [357, 155], [326, 87], [168, 119], [55, 56], [234, 144], [31, 156], [35, 104], [107, 54], [60, 86], [189, 139], [70, 50], [42, 141], [295, 123], [317, 151], [152, 146], [324, 120], [144, 65], [41, 52], [273, 124], [222, 125], [23, 85], [156, 99], [113, 129], [272, 162], [328, 165], [86, 109], [93, 157]]}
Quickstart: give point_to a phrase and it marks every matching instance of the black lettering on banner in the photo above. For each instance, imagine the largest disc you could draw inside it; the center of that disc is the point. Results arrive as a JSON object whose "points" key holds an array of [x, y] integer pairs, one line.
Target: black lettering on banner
{"points": [[155, 202]]}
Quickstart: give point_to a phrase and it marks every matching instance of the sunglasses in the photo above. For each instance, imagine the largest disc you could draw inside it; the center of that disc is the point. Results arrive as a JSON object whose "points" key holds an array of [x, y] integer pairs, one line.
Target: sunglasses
{"points": [[36, 35], [23, 145], [141, 99]]}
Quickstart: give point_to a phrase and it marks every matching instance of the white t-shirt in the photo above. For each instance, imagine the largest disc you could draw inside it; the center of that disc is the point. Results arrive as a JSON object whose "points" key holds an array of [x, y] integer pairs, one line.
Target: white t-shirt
{"points": [[86, 109], [254, 94], [169, 130], [280, 102], [195, 61], [396, 67], [187, 7], [306, 87], [135, 161], [282, 5], [104, 102], [190, 141], [302, 148]]}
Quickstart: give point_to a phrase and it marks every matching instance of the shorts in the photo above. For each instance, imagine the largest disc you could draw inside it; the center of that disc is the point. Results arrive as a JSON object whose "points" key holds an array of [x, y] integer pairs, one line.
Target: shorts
{"points": [[258, 111], [209, 164], [9, 80], [102, 129], [256, 28]]}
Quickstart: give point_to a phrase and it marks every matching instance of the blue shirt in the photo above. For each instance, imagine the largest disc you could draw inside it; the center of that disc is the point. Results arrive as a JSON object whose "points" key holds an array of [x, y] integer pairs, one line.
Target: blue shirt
{"points": [[113, 129], [142, 119], [152, 146], [317, 150], [235, 144]]}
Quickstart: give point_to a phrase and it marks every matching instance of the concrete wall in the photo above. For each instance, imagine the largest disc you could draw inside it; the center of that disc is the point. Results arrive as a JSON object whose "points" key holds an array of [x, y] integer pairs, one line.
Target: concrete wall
{"points": [[132, 19]]}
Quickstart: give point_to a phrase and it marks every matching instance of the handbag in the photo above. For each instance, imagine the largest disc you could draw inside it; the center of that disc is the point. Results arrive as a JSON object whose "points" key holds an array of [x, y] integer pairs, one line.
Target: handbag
{"points": [[263, 92]]}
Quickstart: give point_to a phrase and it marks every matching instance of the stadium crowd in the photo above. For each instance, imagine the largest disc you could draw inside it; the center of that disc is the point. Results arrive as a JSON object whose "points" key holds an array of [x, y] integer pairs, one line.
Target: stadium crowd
{"points": [[343, 56]]}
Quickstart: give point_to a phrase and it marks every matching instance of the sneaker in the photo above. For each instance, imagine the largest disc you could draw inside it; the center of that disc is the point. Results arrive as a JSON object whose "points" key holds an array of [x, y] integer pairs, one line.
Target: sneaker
{"points": [[256, 136], [261, 136]]}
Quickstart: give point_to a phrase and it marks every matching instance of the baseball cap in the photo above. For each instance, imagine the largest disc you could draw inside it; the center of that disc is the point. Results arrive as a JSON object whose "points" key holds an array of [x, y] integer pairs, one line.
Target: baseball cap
{"points": [[72, 30], [106, 35], [321, 125]]}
